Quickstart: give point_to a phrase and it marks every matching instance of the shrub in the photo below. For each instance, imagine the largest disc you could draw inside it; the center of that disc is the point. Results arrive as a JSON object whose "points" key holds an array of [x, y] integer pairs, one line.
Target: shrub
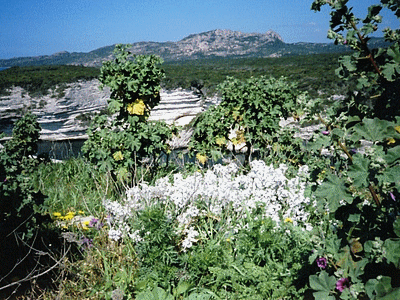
{"points": [[20, 204], [125, 141], [248, 116]]}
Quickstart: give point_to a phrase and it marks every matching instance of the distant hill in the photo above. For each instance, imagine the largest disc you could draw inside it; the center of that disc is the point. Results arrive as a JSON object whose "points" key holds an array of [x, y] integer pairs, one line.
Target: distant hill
{"points": [[211, 44]]}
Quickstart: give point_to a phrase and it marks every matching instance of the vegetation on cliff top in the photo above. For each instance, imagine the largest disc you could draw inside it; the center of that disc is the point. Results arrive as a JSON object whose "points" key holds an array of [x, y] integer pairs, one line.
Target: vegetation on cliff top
{"points": [[313, 73]]}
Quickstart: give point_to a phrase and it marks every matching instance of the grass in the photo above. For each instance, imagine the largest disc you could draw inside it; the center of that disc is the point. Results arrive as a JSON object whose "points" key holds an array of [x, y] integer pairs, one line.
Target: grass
{"points": [[73, 185]]}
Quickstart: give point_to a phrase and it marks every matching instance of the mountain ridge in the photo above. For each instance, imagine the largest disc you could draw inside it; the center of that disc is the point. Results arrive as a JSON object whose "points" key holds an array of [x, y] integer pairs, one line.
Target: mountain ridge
{"points": [[210, 44]]}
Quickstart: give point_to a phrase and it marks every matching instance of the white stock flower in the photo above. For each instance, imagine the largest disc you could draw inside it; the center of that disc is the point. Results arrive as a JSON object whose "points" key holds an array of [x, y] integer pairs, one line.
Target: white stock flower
{"points": [[219, 189]]}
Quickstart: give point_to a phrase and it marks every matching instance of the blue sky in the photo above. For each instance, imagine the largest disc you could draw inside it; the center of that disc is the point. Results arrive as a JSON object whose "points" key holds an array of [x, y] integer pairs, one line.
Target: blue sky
{"points": [[44, 27]]}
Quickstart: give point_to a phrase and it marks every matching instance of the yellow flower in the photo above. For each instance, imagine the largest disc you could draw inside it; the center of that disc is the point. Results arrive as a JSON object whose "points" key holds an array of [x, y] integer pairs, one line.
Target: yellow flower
{"points": [[201, 158], [136, 108], [288, 220], [220, 141], [69, 216], [239, 139], [81, 212], [118, 156], [391, 141], [397, 128], [85, 225], [57, 214]]}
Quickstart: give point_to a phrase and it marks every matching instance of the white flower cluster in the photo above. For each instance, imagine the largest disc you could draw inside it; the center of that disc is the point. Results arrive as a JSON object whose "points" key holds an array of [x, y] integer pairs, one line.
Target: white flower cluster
{"points": [[217, 191]]}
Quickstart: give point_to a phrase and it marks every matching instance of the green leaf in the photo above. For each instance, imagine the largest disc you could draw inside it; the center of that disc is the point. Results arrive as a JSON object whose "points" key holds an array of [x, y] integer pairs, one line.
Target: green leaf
{"points": [[359, 171], [396, 227], [337, 133], [323, 296], [389, 71], [392, 155], [392, 247], [183, 287], [354, 218], [390, 175], [373, 129], [198, 296], [156, 294], [348, 63], [384, 290], [370, 288], [322, 282], [394, 52], [333, 189]]}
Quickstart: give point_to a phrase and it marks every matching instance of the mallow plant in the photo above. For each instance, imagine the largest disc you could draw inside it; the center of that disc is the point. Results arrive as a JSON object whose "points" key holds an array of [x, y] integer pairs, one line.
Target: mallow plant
{"points": [[358, 197], [247, 119], [127, 139]]}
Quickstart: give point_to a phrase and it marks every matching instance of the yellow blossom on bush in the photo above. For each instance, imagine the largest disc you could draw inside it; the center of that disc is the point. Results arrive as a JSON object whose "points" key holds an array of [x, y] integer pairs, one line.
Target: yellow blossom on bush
{"points": [[57, 214], [220, 141], [118, 156], [288, 220], [239, 139], [201, 158], [136, 108], [397, 128], [391, 141]]}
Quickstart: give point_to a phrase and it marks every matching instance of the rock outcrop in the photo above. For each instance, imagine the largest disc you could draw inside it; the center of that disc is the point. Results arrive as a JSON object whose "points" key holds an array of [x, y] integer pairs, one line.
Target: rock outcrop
{"points": [[66, 117]]}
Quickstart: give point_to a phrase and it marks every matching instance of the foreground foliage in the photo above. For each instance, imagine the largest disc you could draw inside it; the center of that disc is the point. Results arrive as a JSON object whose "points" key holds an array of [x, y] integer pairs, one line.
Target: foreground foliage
{"points": [[358, 253], [247, 118]]}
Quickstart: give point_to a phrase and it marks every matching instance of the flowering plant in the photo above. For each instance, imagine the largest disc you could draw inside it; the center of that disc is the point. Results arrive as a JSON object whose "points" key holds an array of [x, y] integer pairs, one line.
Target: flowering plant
{"points": [[177, 221], [122, 142], [357, 196], [214, 192]]}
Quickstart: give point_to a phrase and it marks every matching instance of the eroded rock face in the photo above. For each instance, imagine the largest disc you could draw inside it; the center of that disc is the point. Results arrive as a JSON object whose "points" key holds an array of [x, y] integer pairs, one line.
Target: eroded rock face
{"points": [[64, 117]]}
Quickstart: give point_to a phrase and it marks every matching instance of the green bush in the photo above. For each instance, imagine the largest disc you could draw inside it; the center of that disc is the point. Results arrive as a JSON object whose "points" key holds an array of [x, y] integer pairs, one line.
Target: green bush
{"points": [[124, 142], [248, 116], [29, 245], [20, 204]]}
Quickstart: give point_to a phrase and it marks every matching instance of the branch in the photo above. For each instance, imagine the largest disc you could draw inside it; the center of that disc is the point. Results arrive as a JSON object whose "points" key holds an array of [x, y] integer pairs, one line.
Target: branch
{"points": [[28, 277], [365, 46]]}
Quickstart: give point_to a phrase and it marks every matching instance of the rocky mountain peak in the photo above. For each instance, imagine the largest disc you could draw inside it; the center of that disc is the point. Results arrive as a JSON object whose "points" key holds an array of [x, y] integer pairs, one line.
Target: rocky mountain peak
{"points": [[225, 42], [226, 33]]}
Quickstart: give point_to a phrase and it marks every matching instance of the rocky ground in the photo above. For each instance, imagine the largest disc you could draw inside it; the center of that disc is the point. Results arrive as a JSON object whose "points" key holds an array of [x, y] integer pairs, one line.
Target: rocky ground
{"points": [[64, 118]]}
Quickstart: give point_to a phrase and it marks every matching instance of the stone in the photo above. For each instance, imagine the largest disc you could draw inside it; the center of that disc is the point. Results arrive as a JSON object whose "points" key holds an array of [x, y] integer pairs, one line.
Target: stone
{"points": [[63, 118]]}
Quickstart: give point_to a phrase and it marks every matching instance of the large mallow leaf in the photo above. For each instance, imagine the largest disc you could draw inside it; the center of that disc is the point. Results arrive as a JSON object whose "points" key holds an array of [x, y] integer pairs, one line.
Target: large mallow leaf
{"points": [[323, 284], [392, 155], [334, 190], [390, 175], [358, 171], [373, 130], [392, 250]]}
